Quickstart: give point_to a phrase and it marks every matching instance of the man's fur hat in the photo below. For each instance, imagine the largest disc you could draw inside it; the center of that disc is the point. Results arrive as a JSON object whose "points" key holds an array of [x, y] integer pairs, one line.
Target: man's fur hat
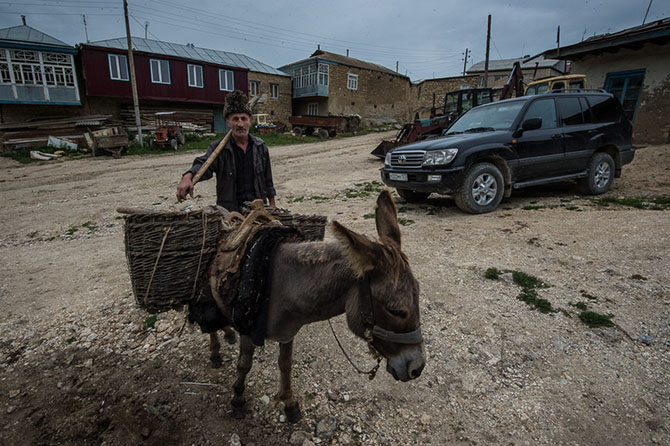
{"points": [[236, 102]]}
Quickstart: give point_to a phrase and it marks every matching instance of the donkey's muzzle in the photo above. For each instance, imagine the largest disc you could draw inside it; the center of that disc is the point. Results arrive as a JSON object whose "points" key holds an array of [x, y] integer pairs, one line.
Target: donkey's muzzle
{"points": [[406, 367]]}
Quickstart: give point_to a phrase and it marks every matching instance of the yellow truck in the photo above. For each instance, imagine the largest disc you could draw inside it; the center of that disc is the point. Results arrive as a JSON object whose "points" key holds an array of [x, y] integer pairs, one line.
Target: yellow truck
{"points": [[567, 82]]}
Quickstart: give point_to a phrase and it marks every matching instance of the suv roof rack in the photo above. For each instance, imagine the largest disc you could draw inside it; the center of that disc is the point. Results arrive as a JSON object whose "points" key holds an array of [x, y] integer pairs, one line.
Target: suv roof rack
{"points": [[576, 90]]}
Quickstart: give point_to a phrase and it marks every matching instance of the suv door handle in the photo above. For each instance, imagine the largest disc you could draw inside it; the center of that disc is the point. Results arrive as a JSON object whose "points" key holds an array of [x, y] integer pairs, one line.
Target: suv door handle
{"points": [[556, 136]]}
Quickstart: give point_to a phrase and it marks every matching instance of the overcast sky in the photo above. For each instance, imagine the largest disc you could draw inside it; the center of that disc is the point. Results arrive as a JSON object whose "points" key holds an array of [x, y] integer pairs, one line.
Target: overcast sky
{"points": [[427, 38]]}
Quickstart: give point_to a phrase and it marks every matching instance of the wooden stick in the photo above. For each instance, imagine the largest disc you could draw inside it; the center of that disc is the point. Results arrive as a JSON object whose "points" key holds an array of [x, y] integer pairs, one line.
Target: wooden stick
{"points": [[211, 158]]}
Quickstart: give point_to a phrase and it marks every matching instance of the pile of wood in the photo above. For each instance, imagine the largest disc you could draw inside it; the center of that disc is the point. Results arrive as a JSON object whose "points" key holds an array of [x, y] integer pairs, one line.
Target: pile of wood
{"points": [[36, 133], [190, 120]]}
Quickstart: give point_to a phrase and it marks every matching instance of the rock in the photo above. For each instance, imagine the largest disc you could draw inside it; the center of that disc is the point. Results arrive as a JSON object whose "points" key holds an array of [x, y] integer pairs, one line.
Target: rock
{"points": [[11, 409], [299, 437], [265, 400], [235, 440], [146, 432], [645, 339], [326, 427], [425, 419], [14, 393]]}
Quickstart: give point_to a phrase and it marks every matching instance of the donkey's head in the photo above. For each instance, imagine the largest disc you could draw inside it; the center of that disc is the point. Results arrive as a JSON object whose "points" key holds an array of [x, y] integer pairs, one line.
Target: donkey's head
{"points": [[386, 310]]}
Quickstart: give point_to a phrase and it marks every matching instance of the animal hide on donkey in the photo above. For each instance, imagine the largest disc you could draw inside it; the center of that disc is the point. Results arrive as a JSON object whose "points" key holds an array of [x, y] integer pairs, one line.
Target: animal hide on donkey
{"points": [[370, 281]]}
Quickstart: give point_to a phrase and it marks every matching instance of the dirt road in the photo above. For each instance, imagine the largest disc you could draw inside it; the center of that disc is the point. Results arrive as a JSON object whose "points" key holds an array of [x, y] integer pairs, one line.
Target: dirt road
{"points": [[77, 366]]}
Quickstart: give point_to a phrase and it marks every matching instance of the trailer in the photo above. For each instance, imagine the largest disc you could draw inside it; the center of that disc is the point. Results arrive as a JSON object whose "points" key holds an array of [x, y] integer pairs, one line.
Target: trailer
{"points": [[111, 140], [324, 126]]}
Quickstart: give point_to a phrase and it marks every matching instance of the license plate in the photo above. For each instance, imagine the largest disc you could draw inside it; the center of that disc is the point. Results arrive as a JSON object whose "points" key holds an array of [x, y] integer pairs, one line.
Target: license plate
{"points": [[397, 176]]}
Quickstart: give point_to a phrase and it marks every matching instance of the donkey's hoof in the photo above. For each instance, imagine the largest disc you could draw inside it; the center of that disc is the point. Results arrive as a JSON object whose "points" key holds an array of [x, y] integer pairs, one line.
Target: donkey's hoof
{"points": [[215, 363], [293, 415], [239, 412], [231, 338]]}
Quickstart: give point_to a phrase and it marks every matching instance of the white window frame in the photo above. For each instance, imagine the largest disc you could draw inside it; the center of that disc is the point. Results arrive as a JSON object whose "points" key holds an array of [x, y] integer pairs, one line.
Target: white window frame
{"points": [[226, 77], [194, 73], [313, 109], [352, 81], [115, 61], [254, 88], [160, 64], [274, 91]]}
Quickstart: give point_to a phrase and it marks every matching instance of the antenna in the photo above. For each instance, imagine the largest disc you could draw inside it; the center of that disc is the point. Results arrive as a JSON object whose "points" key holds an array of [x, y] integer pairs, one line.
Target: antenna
{"points": [[645, 14], [85, 28]]}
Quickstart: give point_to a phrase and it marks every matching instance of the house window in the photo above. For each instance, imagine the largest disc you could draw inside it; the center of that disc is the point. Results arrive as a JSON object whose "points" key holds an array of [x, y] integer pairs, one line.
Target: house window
{"points": [[254, 87], [160, 71], [194, 76], [626, 87], [226, 82], [313, 109], [274, 91], [118, 67], [323, 74], [352, 81]]}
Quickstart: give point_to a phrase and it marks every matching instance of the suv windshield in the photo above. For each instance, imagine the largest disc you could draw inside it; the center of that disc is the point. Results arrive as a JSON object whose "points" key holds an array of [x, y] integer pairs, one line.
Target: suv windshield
{"points": [[499, 116]]}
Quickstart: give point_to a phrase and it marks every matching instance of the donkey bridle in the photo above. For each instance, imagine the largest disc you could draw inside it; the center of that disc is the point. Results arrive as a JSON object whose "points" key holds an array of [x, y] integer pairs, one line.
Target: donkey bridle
{"points": [[375, 331], [372, 331]]}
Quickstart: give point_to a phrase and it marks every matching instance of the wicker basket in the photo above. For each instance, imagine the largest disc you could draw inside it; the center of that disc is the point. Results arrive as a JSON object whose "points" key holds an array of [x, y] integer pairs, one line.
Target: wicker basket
{"points": [[169, 253]]}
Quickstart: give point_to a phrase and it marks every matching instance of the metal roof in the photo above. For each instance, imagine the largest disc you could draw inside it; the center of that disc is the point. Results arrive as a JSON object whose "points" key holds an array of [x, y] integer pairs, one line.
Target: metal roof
{"points": [[26, 34], [190, 51], [344, 60], [507, 64]]}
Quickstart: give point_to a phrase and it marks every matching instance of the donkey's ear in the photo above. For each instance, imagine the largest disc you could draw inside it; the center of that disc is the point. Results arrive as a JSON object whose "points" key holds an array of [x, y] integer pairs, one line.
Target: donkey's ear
{"points": [[362, 253], [386, 218]]}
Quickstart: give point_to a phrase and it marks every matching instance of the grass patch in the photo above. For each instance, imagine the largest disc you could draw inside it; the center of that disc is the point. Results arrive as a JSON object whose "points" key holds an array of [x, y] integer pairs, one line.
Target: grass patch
{"points": [[530, 296], [593, 319], [71, 230], [364, 189], [70, 340], [527, 281], [492, 273], [581, 305], [533, 207], [659, 203], [405, 221], [149, 322], [368, 216], [91, 226]]}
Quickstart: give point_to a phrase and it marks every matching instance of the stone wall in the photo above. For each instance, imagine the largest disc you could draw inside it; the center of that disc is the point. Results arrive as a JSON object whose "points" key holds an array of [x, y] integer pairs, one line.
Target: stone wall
{"points": [[379, 98], [279, 109], [421, 94], [652, 120]]}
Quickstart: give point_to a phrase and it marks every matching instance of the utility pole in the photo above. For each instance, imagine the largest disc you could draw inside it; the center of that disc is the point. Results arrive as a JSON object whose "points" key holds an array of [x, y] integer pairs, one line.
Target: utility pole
{"points": [[465, 61], [396, 65], [488, 47], [558, 41], [146, 29], [646, 13], [133, 82], [23, 19], [85, 28]]}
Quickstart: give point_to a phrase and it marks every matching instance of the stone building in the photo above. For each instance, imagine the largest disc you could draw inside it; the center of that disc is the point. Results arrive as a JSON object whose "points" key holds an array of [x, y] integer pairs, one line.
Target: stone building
{"points": [[634, 65], [332, 84], [429, 92]]}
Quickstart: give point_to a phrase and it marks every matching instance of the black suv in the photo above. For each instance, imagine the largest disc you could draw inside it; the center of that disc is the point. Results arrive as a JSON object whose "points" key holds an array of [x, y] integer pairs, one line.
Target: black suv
{"points": [[516, 143]]}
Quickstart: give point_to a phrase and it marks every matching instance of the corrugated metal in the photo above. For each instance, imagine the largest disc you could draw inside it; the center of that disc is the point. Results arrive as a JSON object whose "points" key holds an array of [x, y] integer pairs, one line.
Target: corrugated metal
{"points": [[191, 52], [26, 34], [507, 64]]}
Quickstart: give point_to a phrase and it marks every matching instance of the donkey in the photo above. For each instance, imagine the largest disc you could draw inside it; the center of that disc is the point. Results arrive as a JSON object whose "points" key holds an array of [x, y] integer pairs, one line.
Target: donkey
{"points": [[369, 281]]}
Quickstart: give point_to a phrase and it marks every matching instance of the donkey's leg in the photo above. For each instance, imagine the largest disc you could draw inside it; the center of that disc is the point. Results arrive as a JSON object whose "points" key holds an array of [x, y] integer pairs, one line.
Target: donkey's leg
{"points": [[291, 406], [243, 367], [229, 334], [214, 351]]}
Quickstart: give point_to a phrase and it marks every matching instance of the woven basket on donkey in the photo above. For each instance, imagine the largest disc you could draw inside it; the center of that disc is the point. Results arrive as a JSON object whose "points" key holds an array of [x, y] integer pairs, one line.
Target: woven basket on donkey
{"points": [[169, 253], [312, 227]]}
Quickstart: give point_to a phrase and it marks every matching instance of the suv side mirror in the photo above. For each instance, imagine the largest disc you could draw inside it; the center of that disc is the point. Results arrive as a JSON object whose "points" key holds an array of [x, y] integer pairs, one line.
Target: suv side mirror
{"points": [[531, 124], [528, 124]]}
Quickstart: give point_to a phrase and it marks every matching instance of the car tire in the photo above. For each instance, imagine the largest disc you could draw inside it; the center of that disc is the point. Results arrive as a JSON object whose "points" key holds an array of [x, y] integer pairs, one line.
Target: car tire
{"points": [[481, 190], [297, 131], [600, 176], [412, 196]]}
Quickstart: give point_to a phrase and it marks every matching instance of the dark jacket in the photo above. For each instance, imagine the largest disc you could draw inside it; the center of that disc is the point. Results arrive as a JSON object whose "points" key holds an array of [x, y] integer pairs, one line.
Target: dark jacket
{"points": [[224, 168]]}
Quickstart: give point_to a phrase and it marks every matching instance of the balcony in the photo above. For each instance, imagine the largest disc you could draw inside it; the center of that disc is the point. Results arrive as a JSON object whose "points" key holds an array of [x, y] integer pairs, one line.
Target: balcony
{"points": [[310, 91]]}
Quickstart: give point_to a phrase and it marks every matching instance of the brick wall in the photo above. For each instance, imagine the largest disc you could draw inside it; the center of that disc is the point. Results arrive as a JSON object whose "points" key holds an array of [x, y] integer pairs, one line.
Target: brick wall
{"points": [[278, 109], [379, 98]]}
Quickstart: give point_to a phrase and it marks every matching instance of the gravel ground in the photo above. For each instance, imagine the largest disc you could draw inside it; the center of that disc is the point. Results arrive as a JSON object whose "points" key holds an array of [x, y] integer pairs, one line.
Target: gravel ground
{"points": [[78, 367]]}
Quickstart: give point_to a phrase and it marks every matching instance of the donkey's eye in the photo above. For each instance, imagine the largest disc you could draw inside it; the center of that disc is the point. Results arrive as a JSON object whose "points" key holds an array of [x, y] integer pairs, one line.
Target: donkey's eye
{"points": [[402, 314]]}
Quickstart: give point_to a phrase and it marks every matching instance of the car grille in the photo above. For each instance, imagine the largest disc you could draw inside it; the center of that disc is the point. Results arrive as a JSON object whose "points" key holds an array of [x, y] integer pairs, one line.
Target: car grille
{"points": [[408, 159]]}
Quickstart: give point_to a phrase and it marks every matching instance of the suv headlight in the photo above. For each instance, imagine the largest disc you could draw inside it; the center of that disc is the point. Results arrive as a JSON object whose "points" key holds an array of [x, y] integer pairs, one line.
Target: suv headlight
{"points": [[387, 159], [439, 157]]}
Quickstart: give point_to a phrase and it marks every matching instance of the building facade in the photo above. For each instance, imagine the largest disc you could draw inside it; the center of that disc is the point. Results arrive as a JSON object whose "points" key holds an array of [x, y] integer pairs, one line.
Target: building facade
{"points": [[634, 65], [331, 84]]}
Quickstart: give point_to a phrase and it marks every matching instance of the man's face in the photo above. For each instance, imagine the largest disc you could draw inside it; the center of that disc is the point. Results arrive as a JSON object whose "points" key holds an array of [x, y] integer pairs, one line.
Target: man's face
{"points": [[240, 123]]}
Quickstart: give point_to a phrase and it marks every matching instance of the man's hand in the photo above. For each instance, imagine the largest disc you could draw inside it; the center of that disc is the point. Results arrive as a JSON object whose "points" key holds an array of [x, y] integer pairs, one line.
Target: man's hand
{"points": [[185, 187], [271, 201]]}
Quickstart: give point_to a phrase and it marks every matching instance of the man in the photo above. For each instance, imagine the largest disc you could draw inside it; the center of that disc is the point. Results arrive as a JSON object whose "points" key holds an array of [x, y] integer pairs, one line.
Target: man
{"points": [[243, 170]]}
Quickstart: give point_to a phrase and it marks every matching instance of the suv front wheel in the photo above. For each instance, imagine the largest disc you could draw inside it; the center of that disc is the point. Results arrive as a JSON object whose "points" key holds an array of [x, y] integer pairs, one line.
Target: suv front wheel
{"points": [[600, 177], [481, 190]]}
